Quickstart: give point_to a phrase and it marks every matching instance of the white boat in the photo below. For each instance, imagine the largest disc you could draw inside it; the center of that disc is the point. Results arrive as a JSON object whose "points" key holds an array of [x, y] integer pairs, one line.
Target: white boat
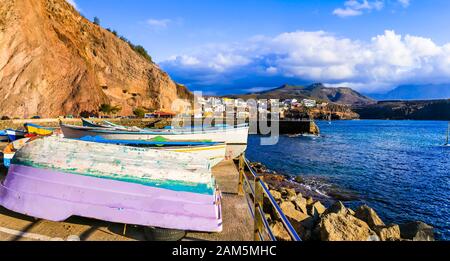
{"points": [[234, 138]]}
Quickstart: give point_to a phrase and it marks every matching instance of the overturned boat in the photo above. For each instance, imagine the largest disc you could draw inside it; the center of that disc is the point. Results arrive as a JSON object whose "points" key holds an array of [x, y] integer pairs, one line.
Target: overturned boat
{"points": [[54, 178], [235, 138]]}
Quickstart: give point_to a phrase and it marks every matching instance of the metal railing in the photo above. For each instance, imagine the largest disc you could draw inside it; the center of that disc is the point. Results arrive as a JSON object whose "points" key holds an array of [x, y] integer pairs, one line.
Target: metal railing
{"points": [[255, 190]]}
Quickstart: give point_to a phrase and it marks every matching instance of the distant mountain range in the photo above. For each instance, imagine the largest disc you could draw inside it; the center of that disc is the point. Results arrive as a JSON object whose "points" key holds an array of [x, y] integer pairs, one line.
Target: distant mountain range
{"points": [[415, 92], [340, 95]]}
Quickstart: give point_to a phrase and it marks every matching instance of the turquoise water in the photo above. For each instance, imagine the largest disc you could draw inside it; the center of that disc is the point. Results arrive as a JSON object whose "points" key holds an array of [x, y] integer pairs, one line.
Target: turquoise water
{"points": [[399, 168]]}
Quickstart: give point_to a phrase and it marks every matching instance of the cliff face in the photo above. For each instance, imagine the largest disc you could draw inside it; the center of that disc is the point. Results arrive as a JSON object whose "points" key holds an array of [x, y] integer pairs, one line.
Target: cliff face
{"points": [[55, 62]]}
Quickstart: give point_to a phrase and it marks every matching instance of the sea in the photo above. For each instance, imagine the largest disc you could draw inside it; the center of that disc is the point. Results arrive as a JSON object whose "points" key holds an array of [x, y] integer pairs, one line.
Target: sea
{"points": [[399, 168]]}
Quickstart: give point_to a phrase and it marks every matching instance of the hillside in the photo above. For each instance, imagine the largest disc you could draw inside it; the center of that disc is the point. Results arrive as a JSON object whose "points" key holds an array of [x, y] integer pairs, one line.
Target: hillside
{"points": [[341, 95], [406, 110], [416, 92], [55, 62]]}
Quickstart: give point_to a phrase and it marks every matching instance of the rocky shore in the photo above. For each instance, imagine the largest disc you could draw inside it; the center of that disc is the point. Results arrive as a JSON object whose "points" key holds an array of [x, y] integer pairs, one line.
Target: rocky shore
{"points": [[313, 221]]}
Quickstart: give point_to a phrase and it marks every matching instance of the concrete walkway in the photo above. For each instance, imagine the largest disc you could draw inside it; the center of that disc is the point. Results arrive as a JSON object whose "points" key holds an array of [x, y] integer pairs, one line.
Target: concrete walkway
{"points": [[236, 218]]}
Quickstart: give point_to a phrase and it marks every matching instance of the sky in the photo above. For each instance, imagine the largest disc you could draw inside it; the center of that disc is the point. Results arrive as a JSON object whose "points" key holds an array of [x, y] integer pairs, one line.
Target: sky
{"points": [[240, 46]]}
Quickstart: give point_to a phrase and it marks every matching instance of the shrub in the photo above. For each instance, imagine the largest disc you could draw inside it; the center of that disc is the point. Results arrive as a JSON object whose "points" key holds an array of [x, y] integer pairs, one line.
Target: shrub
{"points": [[139, 112]]}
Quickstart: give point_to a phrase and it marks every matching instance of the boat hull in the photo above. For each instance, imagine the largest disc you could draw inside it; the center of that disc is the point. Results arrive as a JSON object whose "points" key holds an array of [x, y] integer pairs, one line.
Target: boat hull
{"points": [[235, 138], [215, 154], [56, 196], [38, 130], [15, 135], [145, 166]]}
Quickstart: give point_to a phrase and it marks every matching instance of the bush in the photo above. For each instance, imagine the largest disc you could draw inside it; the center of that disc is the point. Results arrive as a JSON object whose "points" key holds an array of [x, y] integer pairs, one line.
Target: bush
{"points": [[109, 109], [5, 118], [139, 112], [141, 50]]}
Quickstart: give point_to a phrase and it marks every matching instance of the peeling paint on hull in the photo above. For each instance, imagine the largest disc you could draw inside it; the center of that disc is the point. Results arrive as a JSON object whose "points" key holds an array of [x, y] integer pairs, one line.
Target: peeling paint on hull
{"points": [[56, 196]]}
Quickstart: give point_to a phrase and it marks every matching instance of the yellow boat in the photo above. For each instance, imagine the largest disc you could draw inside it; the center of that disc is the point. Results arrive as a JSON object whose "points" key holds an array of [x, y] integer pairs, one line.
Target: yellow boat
{"points": [[38, 130]]}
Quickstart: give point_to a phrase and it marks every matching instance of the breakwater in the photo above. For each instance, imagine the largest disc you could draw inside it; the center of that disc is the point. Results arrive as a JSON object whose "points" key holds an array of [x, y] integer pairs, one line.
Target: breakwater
{"points": [[313, 221]]}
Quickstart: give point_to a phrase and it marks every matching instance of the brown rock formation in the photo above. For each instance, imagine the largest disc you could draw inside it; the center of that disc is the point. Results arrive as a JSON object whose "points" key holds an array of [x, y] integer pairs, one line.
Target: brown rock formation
{"points": [[335, 227], [55, 62]]}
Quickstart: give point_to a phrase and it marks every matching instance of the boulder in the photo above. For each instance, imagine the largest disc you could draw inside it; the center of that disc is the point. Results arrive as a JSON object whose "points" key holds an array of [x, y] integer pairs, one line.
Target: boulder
{"points": [[300, 204], [316, 209], [350, 211], [280, 233], [299, 180], [337, 208], [276, 195], [291, 195], [336, 227], [369, 216], [292, 213], [417, 231], [388, 233]]}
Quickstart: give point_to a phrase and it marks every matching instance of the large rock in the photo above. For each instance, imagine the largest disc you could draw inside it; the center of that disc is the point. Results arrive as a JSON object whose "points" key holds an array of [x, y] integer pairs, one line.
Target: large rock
{"points": [[337, 208], [288, 194], [276, 195], [292, 213], [54, 62], [417, 231], [388, 233], [369, 216], [335, 227], [316, 209], [280, 233], [300, 204]]}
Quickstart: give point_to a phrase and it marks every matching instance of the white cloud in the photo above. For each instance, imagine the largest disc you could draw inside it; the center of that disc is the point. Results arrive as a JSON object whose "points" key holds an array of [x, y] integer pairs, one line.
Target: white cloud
{"points": [[404, 3], [159, 24], [384, 62], [73, 3], [358, 7]]}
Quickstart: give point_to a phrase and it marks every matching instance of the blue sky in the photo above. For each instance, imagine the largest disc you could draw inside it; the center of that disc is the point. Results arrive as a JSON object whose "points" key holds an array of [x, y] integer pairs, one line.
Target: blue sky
{"points": [[230, 46]]}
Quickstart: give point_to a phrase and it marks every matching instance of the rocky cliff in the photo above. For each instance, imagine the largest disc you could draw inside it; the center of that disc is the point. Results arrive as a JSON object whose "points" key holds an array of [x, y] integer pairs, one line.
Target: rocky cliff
{"points": [[55, 62], [406, 110]]}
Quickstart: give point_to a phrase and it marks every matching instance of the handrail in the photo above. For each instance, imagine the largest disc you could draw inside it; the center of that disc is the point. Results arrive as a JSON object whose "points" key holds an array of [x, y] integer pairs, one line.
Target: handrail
{"points": [[257, 192]]}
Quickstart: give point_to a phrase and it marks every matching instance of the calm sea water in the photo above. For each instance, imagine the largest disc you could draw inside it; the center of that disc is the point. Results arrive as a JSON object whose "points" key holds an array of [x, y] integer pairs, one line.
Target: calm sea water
{"points": [[399, 168]]}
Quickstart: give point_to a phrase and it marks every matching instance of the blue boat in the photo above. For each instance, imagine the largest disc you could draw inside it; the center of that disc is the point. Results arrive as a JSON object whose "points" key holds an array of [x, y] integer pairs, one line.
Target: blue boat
{"points": [[14, 135], [3, 136]]}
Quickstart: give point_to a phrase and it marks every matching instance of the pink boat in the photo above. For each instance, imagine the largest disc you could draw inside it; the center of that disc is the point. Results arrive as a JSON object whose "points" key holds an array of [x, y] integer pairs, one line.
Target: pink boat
{"points": [[54, 178]]}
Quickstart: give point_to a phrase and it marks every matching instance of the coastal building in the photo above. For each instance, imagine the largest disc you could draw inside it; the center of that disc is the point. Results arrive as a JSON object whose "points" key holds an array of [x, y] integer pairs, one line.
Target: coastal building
{"points": [[309, 103]]}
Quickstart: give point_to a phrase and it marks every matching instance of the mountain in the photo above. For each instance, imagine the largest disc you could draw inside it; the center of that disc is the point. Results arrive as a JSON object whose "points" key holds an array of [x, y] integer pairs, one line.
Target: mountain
{"points": [[416, 92], [406, 110], [55, 62], [318, 91]]}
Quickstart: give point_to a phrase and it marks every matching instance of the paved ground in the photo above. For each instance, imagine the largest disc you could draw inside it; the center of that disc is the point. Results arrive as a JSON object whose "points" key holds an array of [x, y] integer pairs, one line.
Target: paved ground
{"points": [[236, 218]]}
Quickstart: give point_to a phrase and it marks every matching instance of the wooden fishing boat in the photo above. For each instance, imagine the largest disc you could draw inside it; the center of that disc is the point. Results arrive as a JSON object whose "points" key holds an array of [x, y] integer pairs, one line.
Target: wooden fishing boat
{"points": [[38, 130], [15, 134], [54, 178], [213, 151], [235, 138], [88, 123], [11, 149]]}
